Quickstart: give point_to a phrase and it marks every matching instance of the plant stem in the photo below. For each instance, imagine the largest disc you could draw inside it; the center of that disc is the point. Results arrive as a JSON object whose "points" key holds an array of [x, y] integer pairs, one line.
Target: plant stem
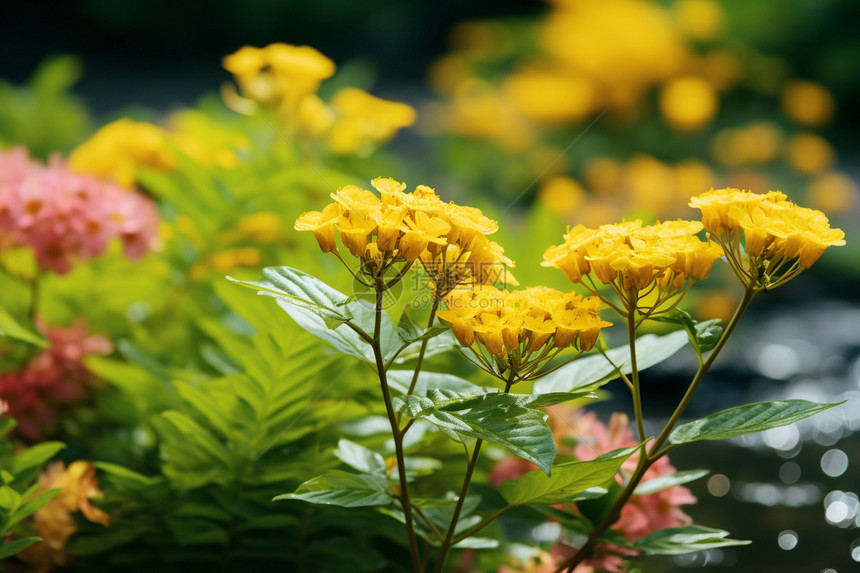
{"points": [[648, 458], [396, 434], [637, 391], [449, 537], [421, 352]]}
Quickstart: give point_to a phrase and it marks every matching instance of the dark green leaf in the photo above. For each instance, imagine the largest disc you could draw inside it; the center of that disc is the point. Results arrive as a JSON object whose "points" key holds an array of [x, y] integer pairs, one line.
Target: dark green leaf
{"points": [[591, 372], [567, 481], [13, 547], [704, 335], [344, 489], [746, 419]]}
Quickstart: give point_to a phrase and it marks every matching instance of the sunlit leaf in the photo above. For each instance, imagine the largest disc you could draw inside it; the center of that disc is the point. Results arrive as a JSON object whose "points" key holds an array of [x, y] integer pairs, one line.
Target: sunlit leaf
{"points": [[591, 372], [568, 480], [685, 539], [14, 329], [667, 481], [746, 419], [344, 489]]}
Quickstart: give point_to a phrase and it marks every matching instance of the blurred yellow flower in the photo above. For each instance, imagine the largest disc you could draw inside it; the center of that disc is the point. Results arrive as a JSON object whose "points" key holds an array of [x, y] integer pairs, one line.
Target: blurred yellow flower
{"points": [[362, 121], [808, 103], [54, 521], [227, 260], [264, 227], [699, 19], [552, 98], [561, 195], [833, 192], [688, 103], [603, 175], [809, 153], [114, 151]]}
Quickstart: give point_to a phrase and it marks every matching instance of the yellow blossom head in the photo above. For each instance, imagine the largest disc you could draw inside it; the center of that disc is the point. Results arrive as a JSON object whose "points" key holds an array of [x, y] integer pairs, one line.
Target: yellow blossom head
{"points": [[779, 238], [513, 334]]}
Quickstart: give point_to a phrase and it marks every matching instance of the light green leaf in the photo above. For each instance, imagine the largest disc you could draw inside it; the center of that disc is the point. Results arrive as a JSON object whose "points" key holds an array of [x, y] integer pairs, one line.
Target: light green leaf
{"points": [[746, 419], [436, 345], [303, 291], [11, 548], [33, 457], [591, 372], [667, 481], [14, 329], [399, 380], [567, 481], [360, 458], [31, 506], [497, 418], [684, 539], [344, 489]]}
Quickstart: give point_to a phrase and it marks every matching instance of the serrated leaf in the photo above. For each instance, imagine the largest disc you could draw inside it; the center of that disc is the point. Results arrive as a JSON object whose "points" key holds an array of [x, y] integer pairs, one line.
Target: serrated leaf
{"points": [[360, 458], [303, 291], [667, 481], [567, 481], [13, 547], [684, 539], [343, 489], [591, 372], [12, 328], [747, 419]]}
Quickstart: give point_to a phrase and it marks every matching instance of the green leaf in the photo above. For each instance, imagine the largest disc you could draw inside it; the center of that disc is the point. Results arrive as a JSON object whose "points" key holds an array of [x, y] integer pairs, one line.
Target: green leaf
{"points": [[684, 539], [591, 372], [567, 481], [703, 335], [436, 345], [14, 329], [746, 419], [667, 481], [497, 418], [360, 458], [399, 380], [13, 547], [31, 506], [304, 291], [33, 457], [344, 489]]}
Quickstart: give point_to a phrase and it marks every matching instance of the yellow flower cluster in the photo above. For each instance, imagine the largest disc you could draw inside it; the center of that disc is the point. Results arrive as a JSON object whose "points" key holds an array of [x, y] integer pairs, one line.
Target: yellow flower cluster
{"points": [[449, 240], [780, 238], [647, 266], [521, 330], [116, 150], [287, 77], [54, 521]]}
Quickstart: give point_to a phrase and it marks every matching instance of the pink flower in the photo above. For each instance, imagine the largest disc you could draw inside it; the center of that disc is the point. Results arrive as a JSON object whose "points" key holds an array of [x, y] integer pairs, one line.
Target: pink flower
{"points": [[52, 380], [64, 217]]}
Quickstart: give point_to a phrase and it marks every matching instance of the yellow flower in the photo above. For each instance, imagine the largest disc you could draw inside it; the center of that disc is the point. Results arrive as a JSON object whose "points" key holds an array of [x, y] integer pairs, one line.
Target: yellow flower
{"points": [[688, 103], [636, 261], [699, 19], [364, 121], [780, 239], [118, 148], [808, 103], [322, 224], [513, 335], [54, 521], [421, 231], [809, 153]]}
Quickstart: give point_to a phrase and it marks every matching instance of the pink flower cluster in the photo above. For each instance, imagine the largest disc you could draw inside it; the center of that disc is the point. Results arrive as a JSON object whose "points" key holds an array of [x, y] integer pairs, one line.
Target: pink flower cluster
{"points": [[64, 216], [641, 516], [55, 378]]}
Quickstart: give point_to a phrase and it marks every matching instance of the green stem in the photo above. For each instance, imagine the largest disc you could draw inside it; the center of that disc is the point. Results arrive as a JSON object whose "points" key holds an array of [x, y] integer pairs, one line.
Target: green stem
{"points": [[647, 459], [482, 525], [637, 390], [449, 537], [396, 434], [421, 352]]}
